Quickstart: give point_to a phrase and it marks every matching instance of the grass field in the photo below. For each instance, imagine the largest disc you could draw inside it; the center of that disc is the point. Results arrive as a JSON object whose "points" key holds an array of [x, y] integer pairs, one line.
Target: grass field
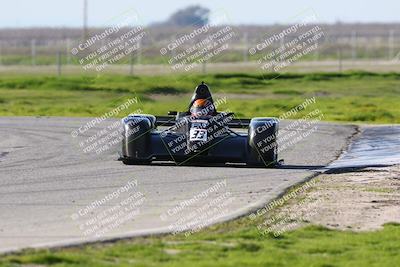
{"points": [[232, 244], [346, 97]]}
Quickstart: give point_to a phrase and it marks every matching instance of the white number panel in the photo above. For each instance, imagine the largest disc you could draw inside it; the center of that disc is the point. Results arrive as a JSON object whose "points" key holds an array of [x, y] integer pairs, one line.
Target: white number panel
{"points": [[198, 134]]}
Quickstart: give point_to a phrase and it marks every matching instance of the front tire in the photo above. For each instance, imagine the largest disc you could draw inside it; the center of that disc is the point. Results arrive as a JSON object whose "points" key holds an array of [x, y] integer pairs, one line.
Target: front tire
{"points": [[136, 139], [262, 142]]}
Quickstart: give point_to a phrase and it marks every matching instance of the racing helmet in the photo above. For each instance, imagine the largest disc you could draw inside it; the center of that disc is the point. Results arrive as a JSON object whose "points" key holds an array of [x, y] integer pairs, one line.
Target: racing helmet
{"points": [[202, 107]]}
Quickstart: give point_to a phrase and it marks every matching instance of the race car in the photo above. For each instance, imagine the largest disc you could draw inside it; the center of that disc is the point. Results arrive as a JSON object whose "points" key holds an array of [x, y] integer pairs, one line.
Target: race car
{"points": [[199, 135]]}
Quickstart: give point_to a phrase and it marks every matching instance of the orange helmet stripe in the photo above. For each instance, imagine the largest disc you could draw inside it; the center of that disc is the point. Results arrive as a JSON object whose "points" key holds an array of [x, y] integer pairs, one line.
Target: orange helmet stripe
{"points": [[199, 103]]}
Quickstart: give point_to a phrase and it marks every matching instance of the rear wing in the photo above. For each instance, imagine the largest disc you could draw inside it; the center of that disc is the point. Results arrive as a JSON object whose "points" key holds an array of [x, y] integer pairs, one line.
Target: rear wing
{"points": [[169, 121], [239, 123]]}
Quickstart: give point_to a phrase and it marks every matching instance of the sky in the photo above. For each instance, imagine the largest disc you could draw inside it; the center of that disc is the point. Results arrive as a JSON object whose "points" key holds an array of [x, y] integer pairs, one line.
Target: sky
{"points": [[68, 13]]}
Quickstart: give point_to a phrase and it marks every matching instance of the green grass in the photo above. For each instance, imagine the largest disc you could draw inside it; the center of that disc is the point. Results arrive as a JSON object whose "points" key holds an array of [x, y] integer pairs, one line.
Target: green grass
{"points": [[348, 97]]}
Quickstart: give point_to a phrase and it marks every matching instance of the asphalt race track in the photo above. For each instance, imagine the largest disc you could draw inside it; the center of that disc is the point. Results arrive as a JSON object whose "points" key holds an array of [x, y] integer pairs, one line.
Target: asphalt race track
{"points": [[47, 184]]}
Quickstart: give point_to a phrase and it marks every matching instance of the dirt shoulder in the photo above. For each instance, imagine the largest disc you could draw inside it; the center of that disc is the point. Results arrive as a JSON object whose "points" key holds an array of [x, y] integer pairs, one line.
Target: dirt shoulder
{"points": [[358, 200]]}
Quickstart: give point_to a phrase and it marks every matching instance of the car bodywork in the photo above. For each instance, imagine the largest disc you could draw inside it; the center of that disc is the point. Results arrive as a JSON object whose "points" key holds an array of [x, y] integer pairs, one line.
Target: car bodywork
{"points": [[186, 138]]}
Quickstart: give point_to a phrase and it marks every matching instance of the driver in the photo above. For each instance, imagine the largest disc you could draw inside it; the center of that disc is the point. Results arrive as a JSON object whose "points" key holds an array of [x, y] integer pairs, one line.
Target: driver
{"points": [[202, 107]]}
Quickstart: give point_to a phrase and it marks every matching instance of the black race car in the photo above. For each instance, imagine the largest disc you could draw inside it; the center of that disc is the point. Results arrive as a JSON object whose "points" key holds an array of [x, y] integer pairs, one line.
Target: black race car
{"points": [[199, 135]]}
